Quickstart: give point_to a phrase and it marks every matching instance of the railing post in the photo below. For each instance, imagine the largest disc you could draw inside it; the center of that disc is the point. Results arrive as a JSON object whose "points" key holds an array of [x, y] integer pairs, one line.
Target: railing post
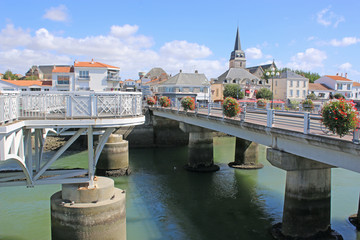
{"points": [[356, 135], [209, 109], [283, 106], [196, 108], [300, 107], [270, 117], [306, 123], [255, 105], [243, 114]]}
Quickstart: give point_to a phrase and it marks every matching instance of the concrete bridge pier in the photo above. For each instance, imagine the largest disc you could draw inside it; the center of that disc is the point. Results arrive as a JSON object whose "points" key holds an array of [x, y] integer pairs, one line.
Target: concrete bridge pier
{"points": [[81, 213], [200, 153], [114, 158], [246, 155], [355, 218], [307, 198]]}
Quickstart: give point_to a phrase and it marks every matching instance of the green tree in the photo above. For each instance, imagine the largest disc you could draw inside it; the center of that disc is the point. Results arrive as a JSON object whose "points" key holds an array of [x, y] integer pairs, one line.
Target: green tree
{"points": [[309, 75], [339, 96], [8, 74], [264, 93], [234, 91], [311, 96]]}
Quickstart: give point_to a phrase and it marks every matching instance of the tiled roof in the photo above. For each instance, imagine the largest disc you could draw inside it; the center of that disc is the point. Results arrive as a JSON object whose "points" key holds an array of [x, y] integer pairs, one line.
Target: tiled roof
{"points": [[338, 78], [62, 69], [187, 79], [27, 83], [93, 64], [356, 84], [318, 87]]}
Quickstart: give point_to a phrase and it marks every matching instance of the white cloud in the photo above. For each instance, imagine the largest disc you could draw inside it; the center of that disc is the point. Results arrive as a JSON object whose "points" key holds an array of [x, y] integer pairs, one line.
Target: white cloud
{"points": [[345, 66], [308, 60], [122, 47], [253, 53], [185, 50], [327, 18], [346, 41], [58, 14]]}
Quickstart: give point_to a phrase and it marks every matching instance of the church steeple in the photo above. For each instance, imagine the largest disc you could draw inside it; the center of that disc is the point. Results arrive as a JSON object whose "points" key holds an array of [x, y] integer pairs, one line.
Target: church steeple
{"points": [[237, 58]]}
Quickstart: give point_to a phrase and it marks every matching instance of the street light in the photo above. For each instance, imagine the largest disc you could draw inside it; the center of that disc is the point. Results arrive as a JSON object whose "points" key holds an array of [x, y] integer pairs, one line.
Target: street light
{"points": [[272, 74]]}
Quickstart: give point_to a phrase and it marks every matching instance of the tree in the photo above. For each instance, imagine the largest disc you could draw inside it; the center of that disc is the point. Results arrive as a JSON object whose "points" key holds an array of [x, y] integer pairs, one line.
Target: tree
{"points": [[309, 75], [339, 96], [311, 96], [8, 74], [234, 91], [264, 93]]}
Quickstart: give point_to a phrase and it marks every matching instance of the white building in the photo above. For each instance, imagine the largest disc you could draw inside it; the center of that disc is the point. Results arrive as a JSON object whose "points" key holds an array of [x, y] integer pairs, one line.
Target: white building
{"points": [[321, 91], [25, 85], [355, 93], [63, 79], [290, 85], [96, 76], [339, 84]]}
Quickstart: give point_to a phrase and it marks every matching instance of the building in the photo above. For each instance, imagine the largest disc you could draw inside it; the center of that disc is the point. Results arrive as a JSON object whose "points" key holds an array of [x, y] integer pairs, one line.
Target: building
{"points": [[339, 84], [290, 85], [42, 72], [355, 94], [63, 78], [186, 84], [237, 74], [25, 85], [260, 70], [96, 76], [320, 90]]}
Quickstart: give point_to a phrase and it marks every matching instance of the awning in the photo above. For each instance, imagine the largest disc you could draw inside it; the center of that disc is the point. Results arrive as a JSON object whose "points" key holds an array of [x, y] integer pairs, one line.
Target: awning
{"points": [[247, 91]]}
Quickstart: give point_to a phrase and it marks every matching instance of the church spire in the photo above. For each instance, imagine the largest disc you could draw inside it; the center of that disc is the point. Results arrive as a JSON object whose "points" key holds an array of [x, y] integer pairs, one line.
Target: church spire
{"points": [[237, 41], [237, 57]]}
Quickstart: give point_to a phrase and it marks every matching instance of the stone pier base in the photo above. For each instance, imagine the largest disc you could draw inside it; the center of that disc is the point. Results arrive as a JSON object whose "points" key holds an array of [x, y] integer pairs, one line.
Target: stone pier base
{"points": [[80, 213], [114, 158], [246, 155], [307, 208], [355, 218]]}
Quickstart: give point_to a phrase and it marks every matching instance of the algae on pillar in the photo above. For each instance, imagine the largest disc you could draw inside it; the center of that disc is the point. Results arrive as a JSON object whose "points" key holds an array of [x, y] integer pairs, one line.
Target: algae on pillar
{"points": [[200, 149], [81, 213], [246, 155], [307, 209], [114, 158]]}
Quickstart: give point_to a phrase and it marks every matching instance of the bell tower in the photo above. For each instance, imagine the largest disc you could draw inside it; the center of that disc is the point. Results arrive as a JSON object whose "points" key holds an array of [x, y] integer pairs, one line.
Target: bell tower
{"points": [[237, 58]]}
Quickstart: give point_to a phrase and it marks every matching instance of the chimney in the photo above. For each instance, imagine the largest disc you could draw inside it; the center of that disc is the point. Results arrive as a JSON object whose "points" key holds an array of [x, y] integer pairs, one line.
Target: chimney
{"points": [[196, 71], [54, 66], [337, 74], [341, 74], [92, 61], [345, 75]]}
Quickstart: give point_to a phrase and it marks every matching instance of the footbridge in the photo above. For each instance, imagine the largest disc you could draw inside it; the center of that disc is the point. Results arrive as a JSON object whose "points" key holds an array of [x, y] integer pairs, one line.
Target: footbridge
{"points": [[298, 133], [26, 119]]}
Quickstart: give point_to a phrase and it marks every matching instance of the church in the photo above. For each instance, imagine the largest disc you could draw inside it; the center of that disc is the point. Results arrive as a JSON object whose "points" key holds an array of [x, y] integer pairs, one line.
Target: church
{"points": [[239, 74]]}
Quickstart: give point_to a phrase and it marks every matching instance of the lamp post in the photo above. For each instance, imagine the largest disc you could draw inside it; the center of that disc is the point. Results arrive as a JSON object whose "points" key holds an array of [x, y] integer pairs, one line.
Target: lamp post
{"points": [[272, 74]]}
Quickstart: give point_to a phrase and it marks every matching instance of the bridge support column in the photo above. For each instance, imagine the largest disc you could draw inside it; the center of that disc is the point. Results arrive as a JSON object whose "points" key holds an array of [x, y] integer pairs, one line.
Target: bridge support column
{"points": [[114, 158], [355, 218], [246, 155], [200, 151], [307, 198], [80, 213]]}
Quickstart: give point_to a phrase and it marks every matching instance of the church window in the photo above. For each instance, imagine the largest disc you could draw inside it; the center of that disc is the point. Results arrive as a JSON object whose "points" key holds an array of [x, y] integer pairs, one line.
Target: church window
{"points": [[234, 81]]}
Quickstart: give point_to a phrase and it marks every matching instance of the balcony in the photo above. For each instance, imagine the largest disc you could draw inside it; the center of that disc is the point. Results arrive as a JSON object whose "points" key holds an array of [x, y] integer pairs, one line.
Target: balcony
{"points": [[83, 78], [113, 78]]}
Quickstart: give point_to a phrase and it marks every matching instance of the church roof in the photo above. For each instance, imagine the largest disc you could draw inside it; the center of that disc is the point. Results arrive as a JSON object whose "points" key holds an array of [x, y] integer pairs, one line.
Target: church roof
{"points": [[187, 79], [234, 73]]}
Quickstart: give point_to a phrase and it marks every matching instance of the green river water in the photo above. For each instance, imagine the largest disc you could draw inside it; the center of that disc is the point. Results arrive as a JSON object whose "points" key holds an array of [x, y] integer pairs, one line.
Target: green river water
{"points": [[166, 202]]}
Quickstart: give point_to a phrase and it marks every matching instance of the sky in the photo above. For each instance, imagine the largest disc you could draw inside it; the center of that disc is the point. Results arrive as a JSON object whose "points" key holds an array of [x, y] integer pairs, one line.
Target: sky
{"points": [[321, 36]]}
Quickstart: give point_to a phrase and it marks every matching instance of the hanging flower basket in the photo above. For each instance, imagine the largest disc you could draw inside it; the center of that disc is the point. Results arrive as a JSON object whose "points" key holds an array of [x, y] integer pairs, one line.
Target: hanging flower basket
{"points": [[231, 107], [188, 103], [308, 105], [150, 101], [164, 101], [261, 103], [339, 116]]}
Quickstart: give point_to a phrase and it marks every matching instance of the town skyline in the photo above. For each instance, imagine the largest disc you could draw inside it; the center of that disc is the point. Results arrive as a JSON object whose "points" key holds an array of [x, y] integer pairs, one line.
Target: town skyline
{"points": [[137, 36]]}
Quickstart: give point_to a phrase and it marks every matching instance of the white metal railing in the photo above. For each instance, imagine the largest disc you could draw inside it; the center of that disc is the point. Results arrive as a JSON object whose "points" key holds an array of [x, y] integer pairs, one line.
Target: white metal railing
{"points": [[68, 105], [300, 121], [9, 110]]}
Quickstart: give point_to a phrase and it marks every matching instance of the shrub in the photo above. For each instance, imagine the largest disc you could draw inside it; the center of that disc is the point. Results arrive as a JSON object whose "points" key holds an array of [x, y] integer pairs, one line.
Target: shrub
{"points": [[164, 101], [308, 104], [338, 96], [339, 116], [188, 103], [233, 90], [311, 96], [150, 101], [264, 93], [231, 107]]}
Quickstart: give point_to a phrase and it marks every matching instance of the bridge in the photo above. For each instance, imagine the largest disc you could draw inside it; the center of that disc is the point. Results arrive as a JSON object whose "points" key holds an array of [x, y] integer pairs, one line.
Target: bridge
{"points": [[38, 114]]}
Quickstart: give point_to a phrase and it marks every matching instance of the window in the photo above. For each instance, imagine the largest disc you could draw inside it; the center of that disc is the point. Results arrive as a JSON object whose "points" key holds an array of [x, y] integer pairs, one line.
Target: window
{"points": [[63, 80], [46, 89], [276, 83], [291, 93], [35, 89], [24, 89], [321, 94], [297, 93], [304, 93], [291, 83], [348, 86], [304, 84], [297, 83], [84, 75], [217, 92], [339, 86]]}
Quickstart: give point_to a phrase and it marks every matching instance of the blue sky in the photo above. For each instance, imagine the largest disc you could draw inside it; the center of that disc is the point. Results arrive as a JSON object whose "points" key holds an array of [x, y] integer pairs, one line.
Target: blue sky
{"points": [[318, 36]]}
